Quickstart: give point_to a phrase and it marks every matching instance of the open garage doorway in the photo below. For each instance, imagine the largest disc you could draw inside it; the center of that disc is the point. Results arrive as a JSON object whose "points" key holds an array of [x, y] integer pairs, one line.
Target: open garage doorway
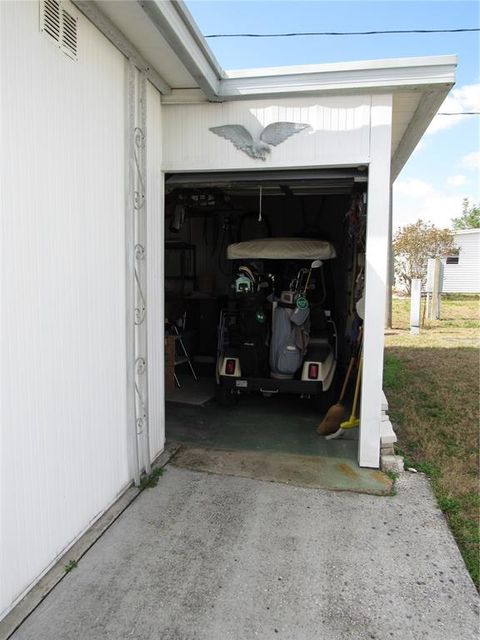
{"points": [[264, 280]]}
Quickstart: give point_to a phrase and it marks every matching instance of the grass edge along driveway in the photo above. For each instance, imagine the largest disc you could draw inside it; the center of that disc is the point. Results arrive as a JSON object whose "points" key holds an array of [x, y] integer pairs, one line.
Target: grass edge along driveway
{"points": [[432, 385]]}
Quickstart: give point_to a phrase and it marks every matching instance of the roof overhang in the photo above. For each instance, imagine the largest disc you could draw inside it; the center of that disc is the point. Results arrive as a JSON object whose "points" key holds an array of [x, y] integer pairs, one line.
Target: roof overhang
{"points": [[366, 76], [161, 37]]}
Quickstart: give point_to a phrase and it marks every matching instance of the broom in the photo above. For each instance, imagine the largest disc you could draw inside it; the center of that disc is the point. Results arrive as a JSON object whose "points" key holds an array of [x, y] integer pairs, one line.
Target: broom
{"points": [[353, 421], [334, 416]]}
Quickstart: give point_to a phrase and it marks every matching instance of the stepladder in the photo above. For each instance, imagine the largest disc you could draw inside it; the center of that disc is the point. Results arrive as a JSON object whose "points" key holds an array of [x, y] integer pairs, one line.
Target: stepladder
{"points": [[182, 355]]}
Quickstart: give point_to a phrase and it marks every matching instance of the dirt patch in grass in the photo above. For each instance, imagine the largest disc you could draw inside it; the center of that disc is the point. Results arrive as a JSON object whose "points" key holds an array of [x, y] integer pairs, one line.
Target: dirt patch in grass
{"points": [[432, 384]]}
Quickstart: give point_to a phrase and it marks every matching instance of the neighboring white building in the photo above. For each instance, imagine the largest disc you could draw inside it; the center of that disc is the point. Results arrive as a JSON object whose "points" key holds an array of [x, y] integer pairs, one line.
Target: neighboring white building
{"points": [[99, 101], [461, 274]]}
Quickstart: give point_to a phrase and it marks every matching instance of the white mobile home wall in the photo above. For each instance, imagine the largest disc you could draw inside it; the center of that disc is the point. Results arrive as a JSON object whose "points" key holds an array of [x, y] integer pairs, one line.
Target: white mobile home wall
{"points": [[344, 131], [339, 133], [65, 448], [464, 277]]}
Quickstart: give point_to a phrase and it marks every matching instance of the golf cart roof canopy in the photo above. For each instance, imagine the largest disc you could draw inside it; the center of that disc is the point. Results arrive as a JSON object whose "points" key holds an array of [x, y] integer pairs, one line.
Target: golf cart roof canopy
{"points": [[281, 249]]}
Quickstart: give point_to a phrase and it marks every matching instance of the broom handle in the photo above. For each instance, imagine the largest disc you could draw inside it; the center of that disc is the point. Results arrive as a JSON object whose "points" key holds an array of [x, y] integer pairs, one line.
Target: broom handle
{"points": [[350, 365], [357, 388], [347, 378]]}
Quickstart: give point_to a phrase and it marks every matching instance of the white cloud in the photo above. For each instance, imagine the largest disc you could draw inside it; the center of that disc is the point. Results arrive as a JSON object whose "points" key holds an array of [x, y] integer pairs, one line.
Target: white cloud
{"points": [[457, 181], [471, 160], [463, 99], [414, 199]]}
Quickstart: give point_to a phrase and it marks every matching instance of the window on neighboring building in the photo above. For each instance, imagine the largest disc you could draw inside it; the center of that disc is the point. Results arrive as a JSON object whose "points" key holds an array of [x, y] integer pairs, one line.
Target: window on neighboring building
{"points": [[452, 260]]}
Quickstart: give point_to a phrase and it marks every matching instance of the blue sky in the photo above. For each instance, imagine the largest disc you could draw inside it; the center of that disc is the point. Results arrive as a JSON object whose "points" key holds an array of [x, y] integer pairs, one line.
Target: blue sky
{"points": [[445, 166]]}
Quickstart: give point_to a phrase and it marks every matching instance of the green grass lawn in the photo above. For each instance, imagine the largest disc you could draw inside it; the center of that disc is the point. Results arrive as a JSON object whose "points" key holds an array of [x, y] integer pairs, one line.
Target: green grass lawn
{"points": [[432, 385]]}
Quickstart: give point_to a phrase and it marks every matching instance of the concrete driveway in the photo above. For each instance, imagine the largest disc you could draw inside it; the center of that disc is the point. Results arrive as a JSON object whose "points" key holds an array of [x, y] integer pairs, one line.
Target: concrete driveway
{"points": [[210, 557]]}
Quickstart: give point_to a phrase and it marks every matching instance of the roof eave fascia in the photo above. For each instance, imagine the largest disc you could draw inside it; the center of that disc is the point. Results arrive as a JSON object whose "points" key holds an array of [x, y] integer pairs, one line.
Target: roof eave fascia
{"points": [[191, 25], [91, 11], [423, 116], [175, 24], [403, 74]]}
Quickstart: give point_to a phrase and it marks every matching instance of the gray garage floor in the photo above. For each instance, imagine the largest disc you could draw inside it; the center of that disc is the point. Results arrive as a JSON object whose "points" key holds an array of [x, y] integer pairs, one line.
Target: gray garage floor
{"points": [[209, 557]]}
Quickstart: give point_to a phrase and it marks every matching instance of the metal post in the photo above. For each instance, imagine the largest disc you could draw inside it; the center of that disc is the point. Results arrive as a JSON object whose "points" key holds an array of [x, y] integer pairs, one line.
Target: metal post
{"points": [[142, 235], [415, 306], [437, 287], [136, 277], [130, 270], [139, 250]]}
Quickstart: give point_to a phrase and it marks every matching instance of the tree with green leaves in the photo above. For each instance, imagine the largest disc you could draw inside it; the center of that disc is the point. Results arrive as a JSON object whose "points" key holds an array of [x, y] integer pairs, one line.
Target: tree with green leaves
{"points": [[470, 218], [414, 244]]}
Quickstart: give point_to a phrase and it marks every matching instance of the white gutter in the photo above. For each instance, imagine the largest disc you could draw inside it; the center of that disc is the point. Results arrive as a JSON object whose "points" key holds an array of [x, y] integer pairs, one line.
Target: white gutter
{"points": [[434, 74], [345, 77], [197, 35], [176, 25]]}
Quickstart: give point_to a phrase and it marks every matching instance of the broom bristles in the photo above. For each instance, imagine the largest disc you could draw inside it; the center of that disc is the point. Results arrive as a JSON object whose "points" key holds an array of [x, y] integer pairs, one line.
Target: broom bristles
{"points": [[331, 421]]}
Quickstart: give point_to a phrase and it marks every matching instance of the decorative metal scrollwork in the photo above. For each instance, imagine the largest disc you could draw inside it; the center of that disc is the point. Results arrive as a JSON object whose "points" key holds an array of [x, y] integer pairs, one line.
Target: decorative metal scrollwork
{"points": [[140, 366], [139, 311], [139, 138], [138, 212], [141, 424], [139, 144], [138, 200], [139, 252], [141, 413]]}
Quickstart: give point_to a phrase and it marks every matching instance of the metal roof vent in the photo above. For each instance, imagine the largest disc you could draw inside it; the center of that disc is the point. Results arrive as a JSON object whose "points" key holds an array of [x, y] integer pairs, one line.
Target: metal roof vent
{"points": [[59, 25]]}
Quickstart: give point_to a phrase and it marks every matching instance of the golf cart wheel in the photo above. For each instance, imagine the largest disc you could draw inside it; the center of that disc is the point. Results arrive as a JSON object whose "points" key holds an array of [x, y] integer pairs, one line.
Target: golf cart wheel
{"points": [[225, 397]]}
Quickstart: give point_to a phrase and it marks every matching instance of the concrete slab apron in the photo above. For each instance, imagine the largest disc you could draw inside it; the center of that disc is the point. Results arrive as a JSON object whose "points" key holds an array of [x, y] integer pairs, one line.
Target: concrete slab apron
{"points": [[209, 557], [302, 471]]}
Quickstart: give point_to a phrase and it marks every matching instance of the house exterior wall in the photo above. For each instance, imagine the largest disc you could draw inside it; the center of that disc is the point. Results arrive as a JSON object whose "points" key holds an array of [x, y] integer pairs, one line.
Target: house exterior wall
{"points": [[464, 277], [65, 430], [339, 133], [64, 441]]}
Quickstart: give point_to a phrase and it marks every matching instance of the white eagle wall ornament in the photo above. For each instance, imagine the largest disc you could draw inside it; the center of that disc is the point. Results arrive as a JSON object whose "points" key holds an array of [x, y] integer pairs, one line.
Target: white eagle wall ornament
{"points": [[272, 135]]}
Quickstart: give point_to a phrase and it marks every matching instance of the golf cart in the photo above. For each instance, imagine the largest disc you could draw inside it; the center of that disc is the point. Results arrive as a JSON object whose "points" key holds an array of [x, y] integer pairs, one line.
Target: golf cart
{"points": [[276, 334]]}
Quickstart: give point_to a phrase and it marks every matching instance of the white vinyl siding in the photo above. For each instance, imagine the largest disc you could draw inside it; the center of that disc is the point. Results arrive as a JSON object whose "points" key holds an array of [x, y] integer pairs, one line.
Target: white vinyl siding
{"points": [[464, 277], [339, 133], [64, 432]]}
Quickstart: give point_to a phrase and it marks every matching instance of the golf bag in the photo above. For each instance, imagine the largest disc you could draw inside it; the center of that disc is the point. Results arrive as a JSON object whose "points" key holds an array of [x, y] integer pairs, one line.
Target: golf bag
{"points": [[251, 334], [290, 333]]}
